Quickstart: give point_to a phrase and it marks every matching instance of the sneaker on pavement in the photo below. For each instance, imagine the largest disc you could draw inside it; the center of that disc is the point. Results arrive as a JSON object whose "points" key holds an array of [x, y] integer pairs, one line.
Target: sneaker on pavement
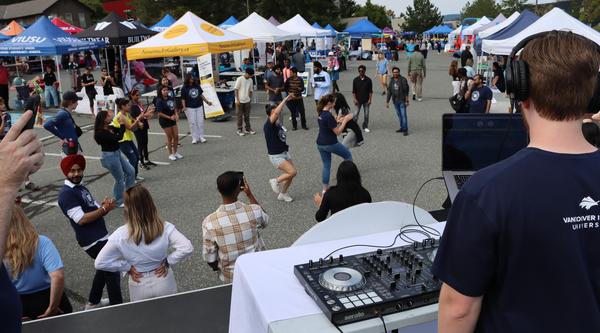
{"points": [[414, 97], [150, 163], [251, 132], [202, 140], [406, 133], [274, 185], [31, 186], [360, 143], [103, 302], [282, 127], [140, 178], [419, 99], [194, 141], [367, 130], [240, 133], [178, 156], [172, 158], [284, 197]]}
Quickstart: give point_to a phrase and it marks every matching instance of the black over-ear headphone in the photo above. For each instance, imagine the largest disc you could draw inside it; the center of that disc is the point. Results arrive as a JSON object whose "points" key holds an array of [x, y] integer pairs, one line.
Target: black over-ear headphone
{"points": [[517, 74]]}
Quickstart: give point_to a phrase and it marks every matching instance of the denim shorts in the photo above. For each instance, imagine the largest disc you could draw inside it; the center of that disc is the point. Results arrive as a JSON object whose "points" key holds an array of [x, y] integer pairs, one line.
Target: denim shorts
{"points": [[276, 160]]}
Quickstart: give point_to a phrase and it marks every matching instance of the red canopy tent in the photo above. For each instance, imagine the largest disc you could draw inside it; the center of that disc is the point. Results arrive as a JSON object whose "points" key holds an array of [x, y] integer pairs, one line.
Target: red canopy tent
{"points": [[66, 27]]}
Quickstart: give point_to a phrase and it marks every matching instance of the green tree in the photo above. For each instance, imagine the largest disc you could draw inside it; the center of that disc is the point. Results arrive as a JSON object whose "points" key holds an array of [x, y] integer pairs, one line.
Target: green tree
{"points": [[376, 14], [510, 6], [347, 8], [96, 7], [480, 8], [590, 12], [422, 15]]}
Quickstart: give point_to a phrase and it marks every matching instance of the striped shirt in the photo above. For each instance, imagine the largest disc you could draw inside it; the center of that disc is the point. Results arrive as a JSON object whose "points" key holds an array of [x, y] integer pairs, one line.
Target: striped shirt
{"points": [[230, 232]]}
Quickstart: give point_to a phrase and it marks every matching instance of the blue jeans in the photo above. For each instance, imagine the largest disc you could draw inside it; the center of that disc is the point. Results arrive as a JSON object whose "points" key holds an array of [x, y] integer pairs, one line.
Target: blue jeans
{"points": [[401, 112], [50, 94], [131, 152], [326, 151], [121, 170], [364, 106]]}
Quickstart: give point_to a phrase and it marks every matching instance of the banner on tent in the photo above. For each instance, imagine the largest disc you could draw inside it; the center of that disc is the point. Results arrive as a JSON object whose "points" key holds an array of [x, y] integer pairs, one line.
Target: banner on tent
{"points": [[304, 77], [207, 83]]}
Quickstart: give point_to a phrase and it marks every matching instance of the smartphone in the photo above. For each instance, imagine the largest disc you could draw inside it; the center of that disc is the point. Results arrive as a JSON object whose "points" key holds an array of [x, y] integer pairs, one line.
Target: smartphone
{"points": [[240, 177]]}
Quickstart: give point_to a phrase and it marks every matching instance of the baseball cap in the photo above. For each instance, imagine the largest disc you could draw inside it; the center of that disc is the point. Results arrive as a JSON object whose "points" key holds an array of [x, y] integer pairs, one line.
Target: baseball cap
{"points": [[71, 96]]}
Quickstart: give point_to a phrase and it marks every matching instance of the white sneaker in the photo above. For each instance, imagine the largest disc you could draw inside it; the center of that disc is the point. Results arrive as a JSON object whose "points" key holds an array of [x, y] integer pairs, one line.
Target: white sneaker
{"points": [[178, 156], [103, 302], [367, 130], [283, 128], [172, 157], [284, 197], [274, 185], [202, 140], [140, 178], [241, 133], [419, 99], [121, 205], [194, 141], [251, 132]]}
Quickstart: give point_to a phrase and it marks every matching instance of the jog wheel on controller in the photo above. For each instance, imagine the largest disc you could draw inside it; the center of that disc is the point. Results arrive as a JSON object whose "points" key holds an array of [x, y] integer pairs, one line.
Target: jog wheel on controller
{"points": [[342, 279]]}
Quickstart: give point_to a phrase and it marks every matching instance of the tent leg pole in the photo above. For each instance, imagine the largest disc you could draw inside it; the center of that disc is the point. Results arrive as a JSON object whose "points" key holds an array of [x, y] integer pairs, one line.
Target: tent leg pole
{"points": [[58, 71], [106, 57]]}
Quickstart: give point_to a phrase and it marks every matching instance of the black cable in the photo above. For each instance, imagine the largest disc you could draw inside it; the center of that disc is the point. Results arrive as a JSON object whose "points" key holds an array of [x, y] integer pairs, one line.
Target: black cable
{"points": [[338, 328], [383, 321]]}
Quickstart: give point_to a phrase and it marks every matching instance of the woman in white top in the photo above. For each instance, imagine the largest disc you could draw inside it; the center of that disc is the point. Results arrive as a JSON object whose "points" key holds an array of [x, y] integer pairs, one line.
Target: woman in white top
{"points": [[141, 248]]}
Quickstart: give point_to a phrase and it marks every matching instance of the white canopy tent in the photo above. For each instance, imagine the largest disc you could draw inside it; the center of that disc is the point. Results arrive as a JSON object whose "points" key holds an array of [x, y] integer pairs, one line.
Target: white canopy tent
{"points": [[261, 30], [470, 29], [493, 29], [499, 19], [556, 19], [298, 25]]}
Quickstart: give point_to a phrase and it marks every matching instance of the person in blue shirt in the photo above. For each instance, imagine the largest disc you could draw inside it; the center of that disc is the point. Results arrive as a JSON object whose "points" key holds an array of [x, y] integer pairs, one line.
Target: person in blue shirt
{"points": [[479, 96], [329, 128], [519, 252], [86, 217], [193, 99], [36, 269], [63, 125]]}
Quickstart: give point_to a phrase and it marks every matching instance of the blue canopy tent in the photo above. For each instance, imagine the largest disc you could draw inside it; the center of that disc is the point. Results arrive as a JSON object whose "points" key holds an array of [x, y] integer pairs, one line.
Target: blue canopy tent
{"points": [[43, 38], [362, 28], [442, 30], [228, 23], [523, 21], [332, 29], [163, 24], [316, 25]]}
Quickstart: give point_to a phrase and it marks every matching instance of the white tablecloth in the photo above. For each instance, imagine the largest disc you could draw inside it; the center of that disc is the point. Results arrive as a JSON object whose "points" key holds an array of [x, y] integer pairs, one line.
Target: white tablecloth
{"points": [[266, 290]]}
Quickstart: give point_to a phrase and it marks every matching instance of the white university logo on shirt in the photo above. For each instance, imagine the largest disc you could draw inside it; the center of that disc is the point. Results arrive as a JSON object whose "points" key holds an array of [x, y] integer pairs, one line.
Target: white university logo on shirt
{"points": [[475, 96], [194, 93], [171, 104], [589, 221], [588, 203]]}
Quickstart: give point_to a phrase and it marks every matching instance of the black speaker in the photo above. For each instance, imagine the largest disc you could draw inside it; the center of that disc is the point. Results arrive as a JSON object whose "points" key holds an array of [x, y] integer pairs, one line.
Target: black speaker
{"points": [[517, 74]]}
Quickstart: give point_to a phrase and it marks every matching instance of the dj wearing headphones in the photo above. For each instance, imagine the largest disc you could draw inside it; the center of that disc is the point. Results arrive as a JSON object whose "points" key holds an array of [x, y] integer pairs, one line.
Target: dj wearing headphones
{"points": [[520, 249]]}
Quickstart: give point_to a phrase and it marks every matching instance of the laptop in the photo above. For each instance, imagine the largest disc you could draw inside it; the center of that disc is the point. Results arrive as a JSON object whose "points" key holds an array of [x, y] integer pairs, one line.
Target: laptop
{"points": [[471, 142]]}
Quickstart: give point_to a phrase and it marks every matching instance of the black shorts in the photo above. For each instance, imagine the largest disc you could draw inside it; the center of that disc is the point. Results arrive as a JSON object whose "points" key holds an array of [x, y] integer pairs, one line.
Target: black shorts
{"points": [[166, 123]]}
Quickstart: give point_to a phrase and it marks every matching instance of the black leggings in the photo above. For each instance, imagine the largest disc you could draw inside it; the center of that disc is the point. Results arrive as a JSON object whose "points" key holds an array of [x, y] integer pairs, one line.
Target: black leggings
{"points": [[141, 136], [335, 86], [112, 280], [35, 304], [353, 126]]}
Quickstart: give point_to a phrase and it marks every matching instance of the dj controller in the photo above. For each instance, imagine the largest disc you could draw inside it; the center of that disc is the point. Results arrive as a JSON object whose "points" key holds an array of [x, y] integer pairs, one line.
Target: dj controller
{"points": [[369, 285]]}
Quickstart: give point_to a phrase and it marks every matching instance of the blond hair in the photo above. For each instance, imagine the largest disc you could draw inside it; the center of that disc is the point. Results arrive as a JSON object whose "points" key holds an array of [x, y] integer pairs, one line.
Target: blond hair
{"points": [[141, 216], [22, 242]]}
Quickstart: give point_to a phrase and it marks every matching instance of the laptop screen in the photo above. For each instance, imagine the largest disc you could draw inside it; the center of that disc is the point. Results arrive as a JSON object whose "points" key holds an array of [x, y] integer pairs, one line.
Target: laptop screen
{"points": [[471, 142]]}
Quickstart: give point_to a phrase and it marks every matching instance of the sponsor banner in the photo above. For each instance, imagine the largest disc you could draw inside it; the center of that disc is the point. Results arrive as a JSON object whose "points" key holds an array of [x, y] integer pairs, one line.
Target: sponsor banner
{"points": [[207, 83]]}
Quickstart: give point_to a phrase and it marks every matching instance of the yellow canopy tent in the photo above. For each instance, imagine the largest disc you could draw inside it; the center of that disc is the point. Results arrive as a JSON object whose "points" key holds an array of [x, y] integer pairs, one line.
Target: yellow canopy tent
{"points": [[189, 36]]}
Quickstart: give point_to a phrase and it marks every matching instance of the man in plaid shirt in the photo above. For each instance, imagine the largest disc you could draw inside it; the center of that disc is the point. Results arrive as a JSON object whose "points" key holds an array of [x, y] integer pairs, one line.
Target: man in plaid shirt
{"points": [[233, 229]]}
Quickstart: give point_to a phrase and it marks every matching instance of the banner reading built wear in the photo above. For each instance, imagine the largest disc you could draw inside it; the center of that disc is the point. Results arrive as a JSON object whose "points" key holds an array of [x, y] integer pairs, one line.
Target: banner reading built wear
{"points": [[189, 36], [208, 87]]}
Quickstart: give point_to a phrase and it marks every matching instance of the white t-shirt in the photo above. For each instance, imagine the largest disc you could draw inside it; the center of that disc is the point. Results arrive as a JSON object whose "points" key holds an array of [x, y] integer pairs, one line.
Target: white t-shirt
{"points": [[243, 87]]}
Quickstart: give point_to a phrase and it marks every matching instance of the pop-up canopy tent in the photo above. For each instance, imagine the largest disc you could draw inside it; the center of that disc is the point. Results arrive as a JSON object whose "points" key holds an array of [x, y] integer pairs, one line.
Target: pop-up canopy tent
{"points": [[332, 30], [65, 26], [362, 28], [389, 31], [163, 24], [273, 21], [261, 30], [189, 36], [556, 19], [316, 25], [493, 29], [471, 29], [499, 19], [115, 30], [228, 23], [12, 29], [298, 25], [523, 21]]}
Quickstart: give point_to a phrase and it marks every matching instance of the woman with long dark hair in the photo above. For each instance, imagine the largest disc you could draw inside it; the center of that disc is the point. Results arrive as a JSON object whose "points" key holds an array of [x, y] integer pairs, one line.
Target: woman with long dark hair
{"points": [[141, 134], [347, 193], [167, 119], [192, 100], [355, 137], [329, 128], [36, 269], [141, 248], [112, 159]]}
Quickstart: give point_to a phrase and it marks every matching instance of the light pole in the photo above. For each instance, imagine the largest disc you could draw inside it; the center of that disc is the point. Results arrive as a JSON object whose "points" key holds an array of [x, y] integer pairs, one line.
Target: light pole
{"points": [[248, 7]]}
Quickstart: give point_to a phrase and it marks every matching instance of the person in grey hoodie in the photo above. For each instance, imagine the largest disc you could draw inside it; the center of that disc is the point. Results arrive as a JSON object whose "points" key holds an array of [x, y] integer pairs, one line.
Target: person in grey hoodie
{"points": [[398, 93]]}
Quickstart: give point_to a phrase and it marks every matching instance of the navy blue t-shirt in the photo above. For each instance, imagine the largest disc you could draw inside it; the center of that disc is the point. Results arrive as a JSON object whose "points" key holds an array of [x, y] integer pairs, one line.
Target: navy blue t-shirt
{"points": [[192, 96], [72, 197], [326, 125], [10, 304], [275, 137], [479, 98], [524, 234], [166, 106]]}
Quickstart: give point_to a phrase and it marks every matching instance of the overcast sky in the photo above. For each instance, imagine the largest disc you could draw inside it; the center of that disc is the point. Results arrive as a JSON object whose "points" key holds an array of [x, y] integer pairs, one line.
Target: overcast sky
{"points": [[445, 6]]}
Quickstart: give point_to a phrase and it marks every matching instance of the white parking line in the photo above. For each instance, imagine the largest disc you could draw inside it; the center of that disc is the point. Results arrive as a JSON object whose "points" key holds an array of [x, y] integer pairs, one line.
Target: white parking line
{"points": [[207, 136], [98, 158], [40, 202], [46, 138]]}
